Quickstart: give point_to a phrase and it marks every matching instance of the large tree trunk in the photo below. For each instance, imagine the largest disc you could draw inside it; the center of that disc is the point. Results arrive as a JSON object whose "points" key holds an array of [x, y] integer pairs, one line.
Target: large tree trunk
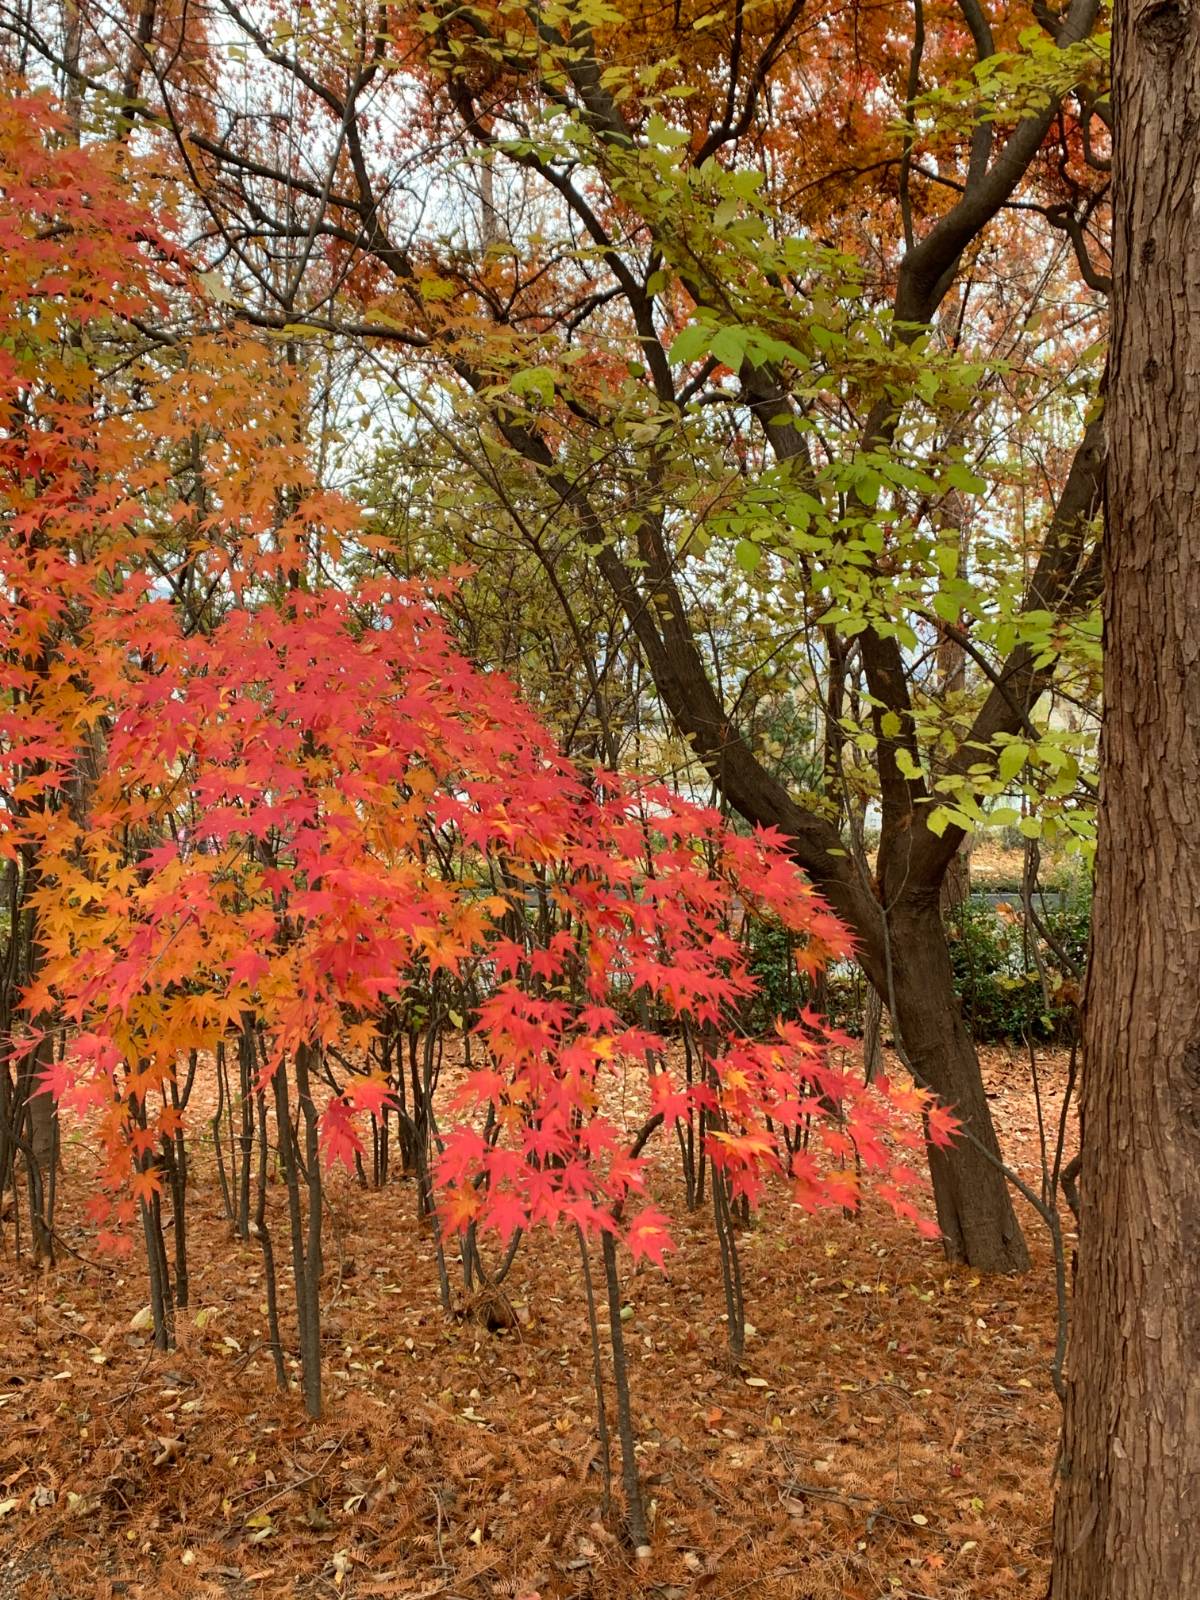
{"points": [[1127, 1515], [974, 1206]]}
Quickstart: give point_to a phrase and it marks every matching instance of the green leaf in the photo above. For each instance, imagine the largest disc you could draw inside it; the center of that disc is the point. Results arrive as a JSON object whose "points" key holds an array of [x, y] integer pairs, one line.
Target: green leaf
{"points": [[1012, 759], [962, 478], [940, 819], [907, 765], [538, 381], [729, 346], [946, 556], [690, 343], [747, 555], [866, 487]]}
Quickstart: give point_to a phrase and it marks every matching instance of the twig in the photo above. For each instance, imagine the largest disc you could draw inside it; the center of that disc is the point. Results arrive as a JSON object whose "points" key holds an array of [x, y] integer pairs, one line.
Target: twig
{"points": [[124, 1399], [309, 1477]]}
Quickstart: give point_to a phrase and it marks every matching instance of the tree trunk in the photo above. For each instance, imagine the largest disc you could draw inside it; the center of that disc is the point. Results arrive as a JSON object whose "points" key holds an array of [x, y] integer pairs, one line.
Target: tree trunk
{"points": [[952, 673], [1127, 1514], [41, 1131], [872, 1033], [956, 885], [41, 1154], [974, 1206]]}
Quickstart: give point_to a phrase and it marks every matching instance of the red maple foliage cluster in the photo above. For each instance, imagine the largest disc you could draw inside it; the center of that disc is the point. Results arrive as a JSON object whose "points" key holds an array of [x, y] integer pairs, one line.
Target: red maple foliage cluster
{"points": [[300, 800]]}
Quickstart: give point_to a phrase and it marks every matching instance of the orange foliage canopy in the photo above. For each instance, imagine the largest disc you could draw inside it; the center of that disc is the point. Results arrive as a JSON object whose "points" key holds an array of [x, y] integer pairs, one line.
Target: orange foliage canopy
{"points": [[298, 799]]}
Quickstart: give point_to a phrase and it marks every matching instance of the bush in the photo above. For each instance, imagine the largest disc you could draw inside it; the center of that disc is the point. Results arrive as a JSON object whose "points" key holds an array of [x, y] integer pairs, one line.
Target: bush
{"points": [[1001, 995], [996, 969], [781, 991], [995, 972]]}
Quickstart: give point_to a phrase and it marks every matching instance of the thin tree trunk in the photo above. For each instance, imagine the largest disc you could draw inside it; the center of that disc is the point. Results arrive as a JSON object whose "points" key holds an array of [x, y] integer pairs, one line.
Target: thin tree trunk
{"points": [[268, 1249], [41, 1127], [308, 1303], [246, 1066], [42, 1115], [631, 1483], [731, 1271], [952, 672], [1127, 1514], [216, 1125], [872, 1033], [602, 1434]]}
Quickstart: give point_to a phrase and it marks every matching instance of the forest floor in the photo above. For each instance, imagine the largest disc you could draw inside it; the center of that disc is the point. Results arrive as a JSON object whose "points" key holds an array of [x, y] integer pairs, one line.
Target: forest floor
{"points": [[890, 1432]]}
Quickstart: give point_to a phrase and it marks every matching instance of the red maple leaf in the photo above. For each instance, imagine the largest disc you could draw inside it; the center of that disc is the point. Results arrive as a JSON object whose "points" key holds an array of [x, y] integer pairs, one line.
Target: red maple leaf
{"points": [[339, 1141], [647, 1235], [371, 1093]]}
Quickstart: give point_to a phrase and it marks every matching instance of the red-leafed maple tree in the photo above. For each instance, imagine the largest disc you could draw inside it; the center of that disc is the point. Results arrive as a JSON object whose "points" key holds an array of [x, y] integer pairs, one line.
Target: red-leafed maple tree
{"points": [[247, 799]]}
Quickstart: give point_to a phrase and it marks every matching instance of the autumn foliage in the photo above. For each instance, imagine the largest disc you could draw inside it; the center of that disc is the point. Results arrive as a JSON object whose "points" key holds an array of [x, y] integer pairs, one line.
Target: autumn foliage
{"points": [[257, 800], [533, 541], [301, 805]]}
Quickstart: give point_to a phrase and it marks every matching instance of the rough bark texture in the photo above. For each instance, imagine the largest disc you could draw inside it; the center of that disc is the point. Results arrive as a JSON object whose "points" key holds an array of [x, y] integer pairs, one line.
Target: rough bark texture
{"points": [[1127, 1517], [956, 885], [974, 1207]]}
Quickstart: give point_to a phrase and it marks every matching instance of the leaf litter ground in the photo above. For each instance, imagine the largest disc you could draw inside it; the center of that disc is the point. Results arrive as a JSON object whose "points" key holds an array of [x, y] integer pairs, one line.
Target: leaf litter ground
{"points": [[891, 1430]]}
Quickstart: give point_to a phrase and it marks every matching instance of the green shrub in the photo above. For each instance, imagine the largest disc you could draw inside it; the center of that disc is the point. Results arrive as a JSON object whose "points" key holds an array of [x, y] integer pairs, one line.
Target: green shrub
{"points": [[1000, 993], [995, 972], [781, 993]]}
